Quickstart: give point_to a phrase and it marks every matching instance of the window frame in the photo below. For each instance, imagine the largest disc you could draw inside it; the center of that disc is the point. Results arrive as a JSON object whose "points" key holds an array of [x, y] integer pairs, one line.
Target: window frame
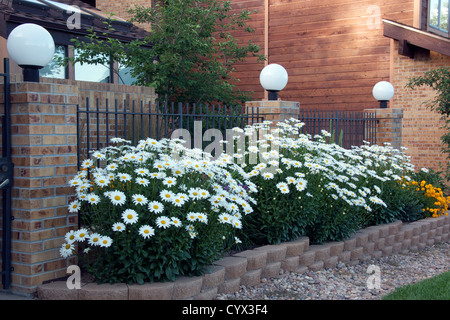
{"points": [[436, 29]]}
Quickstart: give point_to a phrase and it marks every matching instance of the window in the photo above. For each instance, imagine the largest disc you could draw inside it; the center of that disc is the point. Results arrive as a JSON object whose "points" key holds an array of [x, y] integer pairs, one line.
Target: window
{"points": [[54, 69], [92, 72], [438, 18]]}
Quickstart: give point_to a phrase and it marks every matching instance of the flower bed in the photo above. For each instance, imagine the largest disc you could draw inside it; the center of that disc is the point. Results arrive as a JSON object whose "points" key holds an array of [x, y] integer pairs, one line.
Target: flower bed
{"points": [[247, 268], [159, 211]]}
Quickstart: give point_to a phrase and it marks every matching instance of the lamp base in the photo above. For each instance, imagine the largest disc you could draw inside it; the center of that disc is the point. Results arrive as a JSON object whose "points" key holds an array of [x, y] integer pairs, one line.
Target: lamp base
{"points": [[273, 95], [30, 73], [383, 104]]}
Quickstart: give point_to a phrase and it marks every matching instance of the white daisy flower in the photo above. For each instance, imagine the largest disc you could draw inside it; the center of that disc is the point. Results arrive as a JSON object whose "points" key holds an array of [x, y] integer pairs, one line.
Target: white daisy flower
{"points": [[92, 198], [163, 222], [130, 216], [124, 177], [102, 181], [81, 234], [176, 222], [142, 181], [156, 207], [139, 199], [66, 250], [142, 171], [118, 227], [88, 163], [146, 231], [70, 236], [74, 206], [167, 195], [169, 181], [94, 239], [111, 167], [105, 242], [117, 197]]}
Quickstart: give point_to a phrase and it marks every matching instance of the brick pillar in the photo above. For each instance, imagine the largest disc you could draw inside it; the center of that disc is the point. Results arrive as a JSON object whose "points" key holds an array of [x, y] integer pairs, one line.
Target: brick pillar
{"points": [[44, 153], [389, 126], [276, 110]]}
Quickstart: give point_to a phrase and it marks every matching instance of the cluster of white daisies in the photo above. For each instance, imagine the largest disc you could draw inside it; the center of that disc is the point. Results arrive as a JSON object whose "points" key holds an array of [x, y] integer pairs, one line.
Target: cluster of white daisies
{"points": [[294, 157], [285, 157], [155, 185]]}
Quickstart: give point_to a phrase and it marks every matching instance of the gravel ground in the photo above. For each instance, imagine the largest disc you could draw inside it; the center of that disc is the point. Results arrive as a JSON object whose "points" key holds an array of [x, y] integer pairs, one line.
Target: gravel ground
{"points": [[351, 282]]}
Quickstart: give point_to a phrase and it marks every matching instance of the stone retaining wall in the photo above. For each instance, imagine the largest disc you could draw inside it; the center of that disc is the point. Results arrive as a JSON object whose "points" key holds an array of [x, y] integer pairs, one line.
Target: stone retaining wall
{"points": [[247, 268]]}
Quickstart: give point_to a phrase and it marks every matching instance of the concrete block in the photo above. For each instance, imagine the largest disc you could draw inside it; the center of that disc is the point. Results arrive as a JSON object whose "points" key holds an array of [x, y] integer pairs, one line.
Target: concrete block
{"points": [[356, 253], [390, 239], [274, 252], [251, 278], [291, 263], [208, 294], [361, 238], [272, 269], [106, 291], [234, 266], [335, 247], [344, 256], [56, 290], [187, 287], [369, 247], [213, 277], [395, 227], [349, 244], [229, 286], [151, 291], [331, 262], [307, 258], [296, 247], [321, 252], [256, 259], [387, 250], [316, 266]]}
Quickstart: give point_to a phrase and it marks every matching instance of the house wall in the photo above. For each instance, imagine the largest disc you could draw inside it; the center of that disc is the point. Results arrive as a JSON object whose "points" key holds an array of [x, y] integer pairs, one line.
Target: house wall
{"points": [[333, 51], [421, 130]]}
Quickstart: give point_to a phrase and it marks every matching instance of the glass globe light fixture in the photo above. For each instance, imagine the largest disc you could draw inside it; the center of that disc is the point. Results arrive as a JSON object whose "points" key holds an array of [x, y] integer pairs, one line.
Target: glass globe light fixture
{"points": [[383, 91], [273, 78], [31, 47]]}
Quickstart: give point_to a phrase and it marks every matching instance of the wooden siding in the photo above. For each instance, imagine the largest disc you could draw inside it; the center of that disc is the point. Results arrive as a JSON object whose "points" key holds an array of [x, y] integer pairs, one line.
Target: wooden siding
{"points": [[333, 57]]}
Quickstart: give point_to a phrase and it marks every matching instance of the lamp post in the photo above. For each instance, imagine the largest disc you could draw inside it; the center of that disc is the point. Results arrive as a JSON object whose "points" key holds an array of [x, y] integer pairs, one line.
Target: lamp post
{"points": [[383, 91], [273, 78], [32, 48]]}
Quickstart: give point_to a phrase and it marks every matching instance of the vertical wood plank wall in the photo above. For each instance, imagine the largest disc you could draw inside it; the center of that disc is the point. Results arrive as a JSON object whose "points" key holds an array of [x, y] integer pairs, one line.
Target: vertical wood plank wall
{"points": [[334, 51]]}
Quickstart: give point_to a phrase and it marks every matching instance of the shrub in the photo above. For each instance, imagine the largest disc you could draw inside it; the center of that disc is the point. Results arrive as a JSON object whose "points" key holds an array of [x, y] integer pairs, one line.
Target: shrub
{"points": [[307, 186], [154, 211]]}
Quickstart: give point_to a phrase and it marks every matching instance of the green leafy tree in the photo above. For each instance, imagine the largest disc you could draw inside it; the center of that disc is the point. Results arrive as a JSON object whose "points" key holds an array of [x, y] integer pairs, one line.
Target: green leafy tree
{"points": [[439, 80], [189, 55]]}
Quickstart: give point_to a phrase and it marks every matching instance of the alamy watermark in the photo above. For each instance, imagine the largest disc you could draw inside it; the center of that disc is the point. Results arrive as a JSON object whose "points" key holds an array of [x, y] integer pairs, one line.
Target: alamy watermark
{"points": [[374, 18], [74, 280], [249, 147], [74, 20], [374, 280]]}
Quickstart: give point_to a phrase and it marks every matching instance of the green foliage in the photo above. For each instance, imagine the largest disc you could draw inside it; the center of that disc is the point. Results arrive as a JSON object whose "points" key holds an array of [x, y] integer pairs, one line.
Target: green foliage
{"points": [[189, 55], [161, 187], [439, 80]]}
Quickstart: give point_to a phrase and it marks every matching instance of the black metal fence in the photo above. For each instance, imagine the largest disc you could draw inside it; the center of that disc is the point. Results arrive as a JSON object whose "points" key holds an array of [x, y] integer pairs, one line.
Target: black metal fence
{"points": [[6, 179], [347, 128], [135, 120]]}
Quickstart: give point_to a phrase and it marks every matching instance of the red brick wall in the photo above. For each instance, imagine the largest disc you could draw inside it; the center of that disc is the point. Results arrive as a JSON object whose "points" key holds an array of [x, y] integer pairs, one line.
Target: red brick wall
{"points": [[421, 126], [44, 144]]}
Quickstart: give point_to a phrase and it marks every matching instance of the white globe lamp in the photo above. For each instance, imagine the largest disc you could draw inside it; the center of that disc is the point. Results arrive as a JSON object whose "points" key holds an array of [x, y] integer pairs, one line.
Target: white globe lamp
{"points": [[383, 91], [273, 78], [32, 48]]}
